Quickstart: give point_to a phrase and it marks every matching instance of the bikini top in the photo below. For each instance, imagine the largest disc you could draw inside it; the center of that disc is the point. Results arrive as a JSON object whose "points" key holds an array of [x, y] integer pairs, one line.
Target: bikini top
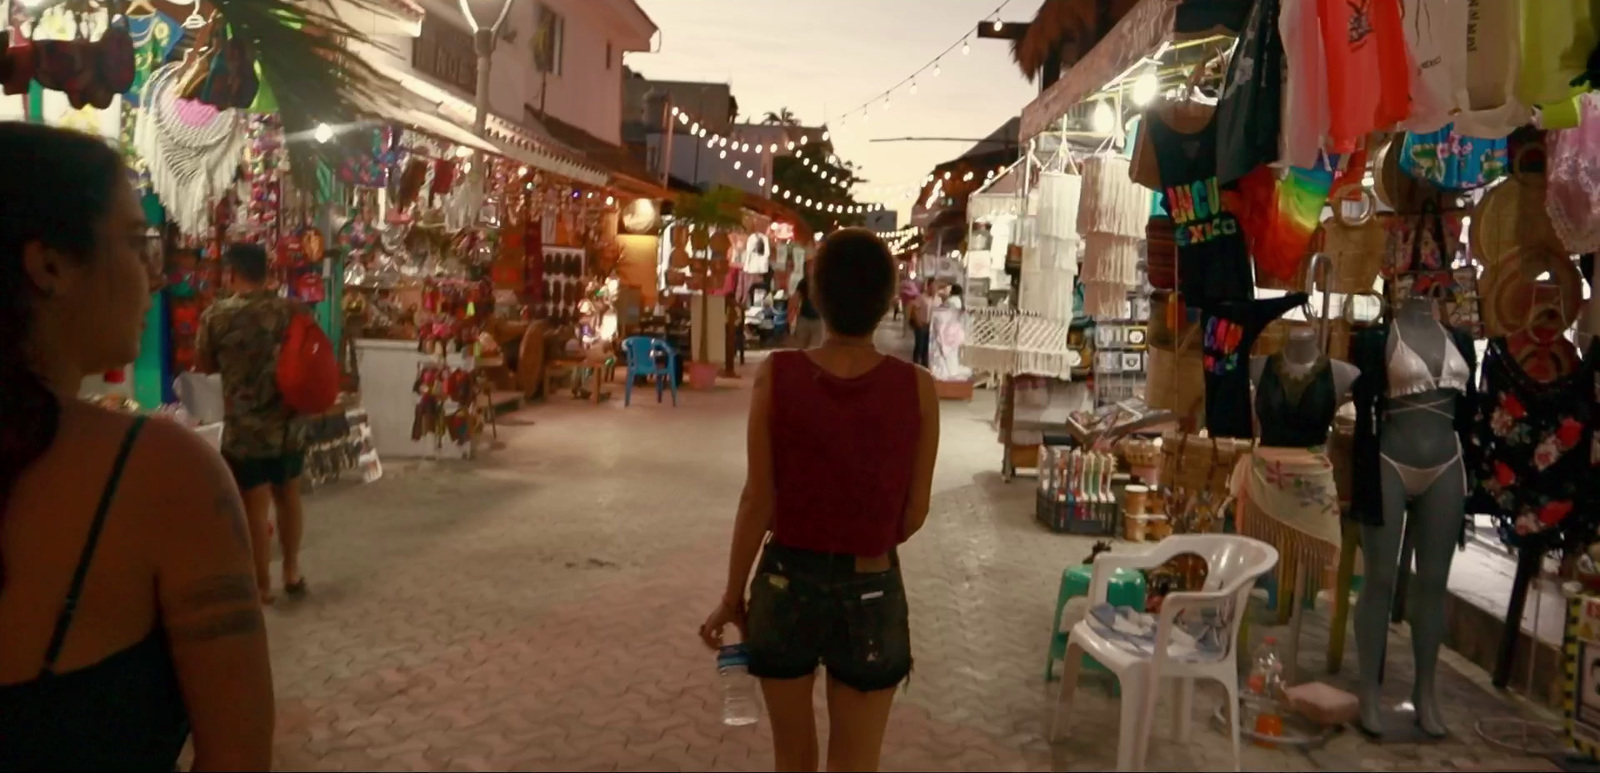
{"points": [[1295, 412], [1409, 373]]}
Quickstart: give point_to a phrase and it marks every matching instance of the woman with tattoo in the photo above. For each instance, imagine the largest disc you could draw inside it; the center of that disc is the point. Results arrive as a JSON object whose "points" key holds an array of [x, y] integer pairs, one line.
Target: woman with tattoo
{"points": [[128, 608]]}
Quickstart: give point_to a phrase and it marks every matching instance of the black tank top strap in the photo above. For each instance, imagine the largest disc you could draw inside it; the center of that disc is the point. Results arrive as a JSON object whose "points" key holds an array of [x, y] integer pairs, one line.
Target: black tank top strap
{"points": [[70, 607]]}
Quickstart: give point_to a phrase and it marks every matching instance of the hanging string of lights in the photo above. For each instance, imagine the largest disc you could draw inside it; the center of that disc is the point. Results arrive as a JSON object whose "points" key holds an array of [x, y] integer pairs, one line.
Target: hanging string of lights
{"points": [[725, 145], [932, 69]]}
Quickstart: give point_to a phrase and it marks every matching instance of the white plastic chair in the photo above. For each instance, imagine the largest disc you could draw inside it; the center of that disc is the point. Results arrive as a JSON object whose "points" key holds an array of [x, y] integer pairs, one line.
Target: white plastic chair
{"points": [[1233, 564]]}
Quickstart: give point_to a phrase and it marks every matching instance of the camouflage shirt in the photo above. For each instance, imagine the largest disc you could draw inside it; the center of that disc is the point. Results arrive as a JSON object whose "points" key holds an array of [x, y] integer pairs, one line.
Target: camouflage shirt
{"points": [[240, 336]]}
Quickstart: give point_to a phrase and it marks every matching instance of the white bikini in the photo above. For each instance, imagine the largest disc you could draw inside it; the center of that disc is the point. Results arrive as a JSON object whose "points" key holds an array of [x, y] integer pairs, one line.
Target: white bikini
{"points": [[1409, 375]]}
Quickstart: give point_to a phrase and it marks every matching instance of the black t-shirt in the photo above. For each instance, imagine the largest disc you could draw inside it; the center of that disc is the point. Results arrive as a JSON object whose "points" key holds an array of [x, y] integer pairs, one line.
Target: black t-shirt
{"points": [[1213, 259], [1228, 330], [807, 311], [1249, 115]]}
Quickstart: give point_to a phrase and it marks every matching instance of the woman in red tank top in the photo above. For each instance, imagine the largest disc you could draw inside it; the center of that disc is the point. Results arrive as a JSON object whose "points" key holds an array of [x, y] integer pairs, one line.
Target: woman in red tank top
{"points": [[842, 444]]}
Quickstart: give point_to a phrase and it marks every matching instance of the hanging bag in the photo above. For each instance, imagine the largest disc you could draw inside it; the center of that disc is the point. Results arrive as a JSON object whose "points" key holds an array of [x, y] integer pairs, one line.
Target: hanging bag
{"points": [[1353, 246], [1513, 214]]}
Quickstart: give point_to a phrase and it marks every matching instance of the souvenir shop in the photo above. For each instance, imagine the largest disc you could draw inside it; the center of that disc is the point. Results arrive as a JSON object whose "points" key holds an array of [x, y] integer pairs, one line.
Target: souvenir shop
{"points": [[726, 270], [1355, 270], [179, 88]]}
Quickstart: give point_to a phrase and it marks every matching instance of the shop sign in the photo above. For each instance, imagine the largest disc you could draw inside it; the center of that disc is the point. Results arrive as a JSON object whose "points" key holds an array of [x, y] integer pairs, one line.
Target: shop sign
{"points": [[446, 53]]}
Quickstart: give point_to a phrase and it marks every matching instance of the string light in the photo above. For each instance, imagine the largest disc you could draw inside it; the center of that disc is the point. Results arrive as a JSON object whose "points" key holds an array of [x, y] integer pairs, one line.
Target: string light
{"points": [[999, 25], [966, 48]]}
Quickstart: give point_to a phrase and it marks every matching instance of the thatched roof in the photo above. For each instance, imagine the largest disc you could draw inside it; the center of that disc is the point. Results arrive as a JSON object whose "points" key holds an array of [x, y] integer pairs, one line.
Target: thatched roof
{"points": [[1073, 25]]}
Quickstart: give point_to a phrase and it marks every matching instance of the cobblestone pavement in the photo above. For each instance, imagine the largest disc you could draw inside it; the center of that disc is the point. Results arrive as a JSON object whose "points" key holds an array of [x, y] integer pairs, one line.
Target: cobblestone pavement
{"points": [[537, 610]]}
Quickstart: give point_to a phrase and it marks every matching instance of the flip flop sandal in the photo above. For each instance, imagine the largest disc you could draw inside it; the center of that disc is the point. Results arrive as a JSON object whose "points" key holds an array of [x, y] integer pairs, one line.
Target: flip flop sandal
{"points": [[296, 590]]}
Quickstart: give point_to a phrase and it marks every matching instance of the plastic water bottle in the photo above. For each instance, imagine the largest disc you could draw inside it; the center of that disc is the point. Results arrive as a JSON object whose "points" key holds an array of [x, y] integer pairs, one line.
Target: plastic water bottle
{"points": [[1263, 693], [738, 687]]}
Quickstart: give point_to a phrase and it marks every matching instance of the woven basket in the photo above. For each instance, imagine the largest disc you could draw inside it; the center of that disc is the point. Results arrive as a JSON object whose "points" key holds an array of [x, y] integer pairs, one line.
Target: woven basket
{"points": [[1193, 463], [1508, 289], [1163, 324], [1512, 215], [1161, 253], [1140, 452]]}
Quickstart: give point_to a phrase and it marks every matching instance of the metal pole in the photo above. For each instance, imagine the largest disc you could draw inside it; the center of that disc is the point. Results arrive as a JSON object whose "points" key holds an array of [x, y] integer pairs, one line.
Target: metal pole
{"points": [[669, 133], [483, 42]]}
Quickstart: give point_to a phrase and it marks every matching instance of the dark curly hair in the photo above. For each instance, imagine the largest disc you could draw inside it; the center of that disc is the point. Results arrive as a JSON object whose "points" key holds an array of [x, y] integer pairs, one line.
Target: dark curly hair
{"points": [[54, 186], [853, 281]]}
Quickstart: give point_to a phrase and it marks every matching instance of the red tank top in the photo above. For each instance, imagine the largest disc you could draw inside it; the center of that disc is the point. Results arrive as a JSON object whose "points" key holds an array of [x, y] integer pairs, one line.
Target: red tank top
{"points": [[842, 453]]}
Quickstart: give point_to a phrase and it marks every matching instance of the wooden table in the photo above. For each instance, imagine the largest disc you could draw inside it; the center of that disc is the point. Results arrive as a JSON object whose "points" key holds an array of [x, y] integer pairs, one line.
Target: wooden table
{"points": [[597, 363]]}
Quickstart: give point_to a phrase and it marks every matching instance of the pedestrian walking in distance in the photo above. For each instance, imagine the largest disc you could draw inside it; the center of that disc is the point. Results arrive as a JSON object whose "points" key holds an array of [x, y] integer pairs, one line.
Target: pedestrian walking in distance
{"points": [[239, 338], [842, 444], [128, 609]]}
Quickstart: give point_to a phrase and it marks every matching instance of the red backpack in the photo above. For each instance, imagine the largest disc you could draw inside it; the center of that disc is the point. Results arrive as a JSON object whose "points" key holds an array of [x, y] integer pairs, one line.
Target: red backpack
{"points": [[308, 371]]}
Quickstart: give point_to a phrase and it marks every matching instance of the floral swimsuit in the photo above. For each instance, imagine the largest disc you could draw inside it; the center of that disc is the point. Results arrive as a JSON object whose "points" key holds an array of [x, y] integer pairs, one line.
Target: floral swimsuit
{"points": [[1536, 452]]}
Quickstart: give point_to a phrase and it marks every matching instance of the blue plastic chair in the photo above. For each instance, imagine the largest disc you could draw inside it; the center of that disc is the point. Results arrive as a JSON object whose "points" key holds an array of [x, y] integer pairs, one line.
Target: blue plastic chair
{"points": [[641, 351]]}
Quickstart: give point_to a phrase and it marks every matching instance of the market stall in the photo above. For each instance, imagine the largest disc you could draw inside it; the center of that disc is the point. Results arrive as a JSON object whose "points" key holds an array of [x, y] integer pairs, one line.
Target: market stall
{"points": [[1400, 238]]}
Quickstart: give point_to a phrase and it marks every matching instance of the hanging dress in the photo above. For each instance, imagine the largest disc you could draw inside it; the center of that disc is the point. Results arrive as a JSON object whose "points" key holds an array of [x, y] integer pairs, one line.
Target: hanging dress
{"points": [[1369, 83], [1535, 451]]}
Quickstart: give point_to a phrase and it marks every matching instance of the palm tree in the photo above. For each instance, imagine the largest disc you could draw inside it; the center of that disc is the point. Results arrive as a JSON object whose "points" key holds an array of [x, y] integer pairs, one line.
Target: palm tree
{"points": [[781, 118]]}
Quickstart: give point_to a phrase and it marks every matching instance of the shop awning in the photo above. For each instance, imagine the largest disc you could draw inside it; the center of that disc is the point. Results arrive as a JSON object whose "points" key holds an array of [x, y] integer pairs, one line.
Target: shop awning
{"points": [[1136, 36], [627, 172], [435, 110]]}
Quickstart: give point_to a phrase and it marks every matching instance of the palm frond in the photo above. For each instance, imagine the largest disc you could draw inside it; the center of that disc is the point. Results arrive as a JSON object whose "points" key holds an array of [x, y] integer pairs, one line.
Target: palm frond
{"points": [[305, 59], [1072, 27]]}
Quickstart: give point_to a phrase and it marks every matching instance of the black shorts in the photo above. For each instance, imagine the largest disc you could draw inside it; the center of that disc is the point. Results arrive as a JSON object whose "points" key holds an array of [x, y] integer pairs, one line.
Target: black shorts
{"points": [[262, 471], [808, 609]]}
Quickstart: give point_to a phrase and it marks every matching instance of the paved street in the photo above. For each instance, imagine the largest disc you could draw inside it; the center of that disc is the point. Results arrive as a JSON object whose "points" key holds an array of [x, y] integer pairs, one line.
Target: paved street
{"points": [[537, 610]]}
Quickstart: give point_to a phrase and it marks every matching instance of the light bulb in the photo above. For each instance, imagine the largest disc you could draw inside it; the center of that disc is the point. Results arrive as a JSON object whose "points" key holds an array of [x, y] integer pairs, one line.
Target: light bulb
{"points": [[723, 141], [723, 154], [1104, 119], [999, 25], [745, 148], [762, 182], [675, 110], [610, 200], [885, 103], [463, 152], [695, 129], [774, 148], [774, 189], [1144, 89], [749, 173], [683, 118], [737, 164], [804, 139], [946, 175], [786, 195], [936, 69], [913, 87], [323, 134], [966, 48], [711, 143], [791, 144], [826, 136]]}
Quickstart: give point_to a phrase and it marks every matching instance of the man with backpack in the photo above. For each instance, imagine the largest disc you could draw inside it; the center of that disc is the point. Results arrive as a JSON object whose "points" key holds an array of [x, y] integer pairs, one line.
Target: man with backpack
{"points": [[240, 338]]}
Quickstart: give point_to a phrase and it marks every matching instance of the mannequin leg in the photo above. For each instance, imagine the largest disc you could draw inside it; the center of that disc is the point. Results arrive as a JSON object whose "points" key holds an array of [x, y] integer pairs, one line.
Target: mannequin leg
{"points": [[1437, 524], [1380, 545]]}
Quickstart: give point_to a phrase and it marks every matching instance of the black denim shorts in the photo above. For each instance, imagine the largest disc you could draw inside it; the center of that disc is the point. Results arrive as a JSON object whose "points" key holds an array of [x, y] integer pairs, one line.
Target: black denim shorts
{"points": [[808, 609]]}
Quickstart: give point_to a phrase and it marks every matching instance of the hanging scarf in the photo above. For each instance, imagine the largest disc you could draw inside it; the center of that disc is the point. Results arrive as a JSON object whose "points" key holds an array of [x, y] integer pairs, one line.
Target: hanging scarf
{"points": [[192, 149]]}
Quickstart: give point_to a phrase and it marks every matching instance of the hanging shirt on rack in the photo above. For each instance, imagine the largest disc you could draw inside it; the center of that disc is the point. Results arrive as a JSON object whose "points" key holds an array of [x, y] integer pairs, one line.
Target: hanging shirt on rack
{"points": [[1436, 36], [1490, 108], [1368, 78], [1213, 262], [1249, 114], [1305, 84], [1228, 331], [1558, 36]]}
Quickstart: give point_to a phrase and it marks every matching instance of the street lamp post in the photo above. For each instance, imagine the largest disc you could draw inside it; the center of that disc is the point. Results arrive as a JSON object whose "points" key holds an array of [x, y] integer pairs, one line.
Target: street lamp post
{"points": [[483, 43]]}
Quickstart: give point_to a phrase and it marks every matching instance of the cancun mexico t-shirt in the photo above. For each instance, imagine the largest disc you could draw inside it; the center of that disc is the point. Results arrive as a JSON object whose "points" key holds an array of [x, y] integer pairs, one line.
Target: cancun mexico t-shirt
{"points": [[1228, 331], [1213, 260]]}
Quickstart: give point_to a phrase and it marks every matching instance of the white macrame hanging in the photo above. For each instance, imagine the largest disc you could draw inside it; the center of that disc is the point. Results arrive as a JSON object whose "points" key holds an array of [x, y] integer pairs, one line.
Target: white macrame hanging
{"points": [[192, 149], [1111, 218], [1050, 263]]}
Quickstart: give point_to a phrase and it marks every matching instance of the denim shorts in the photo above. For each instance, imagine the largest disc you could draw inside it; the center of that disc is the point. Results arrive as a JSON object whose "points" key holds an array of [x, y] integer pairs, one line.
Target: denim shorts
{"points": [[809, 609]]}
